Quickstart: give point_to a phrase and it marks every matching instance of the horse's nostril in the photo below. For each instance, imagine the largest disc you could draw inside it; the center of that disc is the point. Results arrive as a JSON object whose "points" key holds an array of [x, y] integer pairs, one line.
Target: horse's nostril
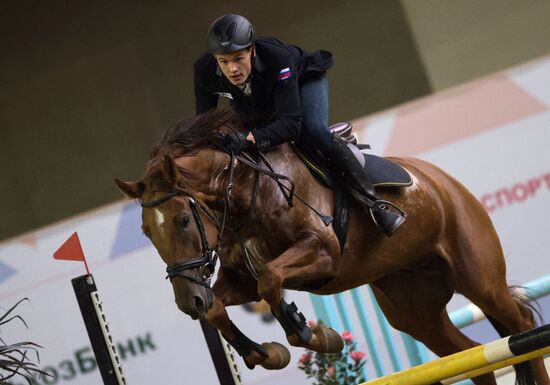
{"points": [[199, 303]]}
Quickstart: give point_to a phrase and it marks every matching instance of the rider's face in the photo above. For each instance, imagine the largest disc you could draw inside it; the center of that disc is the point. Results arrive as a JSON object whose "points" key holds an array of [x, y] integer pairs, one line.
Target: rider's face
{"points": [[236, 66]]}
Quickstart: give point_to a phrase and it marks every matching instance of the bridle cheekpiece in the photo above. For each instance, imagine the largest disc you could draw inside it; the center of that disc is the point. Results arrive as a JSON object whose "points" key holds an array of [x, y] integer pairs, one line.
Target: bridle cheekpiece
{"points": [[206, 262]]}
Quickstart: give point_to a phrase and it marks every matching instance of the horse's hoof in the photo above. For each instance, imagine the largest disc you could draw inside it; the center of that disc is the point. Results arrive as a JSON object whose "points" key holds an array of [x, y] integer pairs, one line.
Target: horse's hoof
{"points": [[323, 340], [326, 340], [278, 357]]}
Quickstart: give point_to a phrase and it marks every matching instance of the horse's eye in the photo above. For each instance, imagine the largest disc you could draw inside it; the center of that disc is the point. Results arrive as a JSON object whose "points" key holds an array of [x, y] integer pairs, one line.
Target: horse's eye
{"points": [[181, 221]]}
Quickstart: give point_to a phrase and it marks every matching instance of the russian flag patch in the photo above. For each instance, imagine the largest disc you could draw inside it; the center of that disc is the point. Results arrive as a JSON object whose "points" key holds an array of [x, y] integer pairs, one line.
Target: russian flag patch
{"points": [[284, 74]]}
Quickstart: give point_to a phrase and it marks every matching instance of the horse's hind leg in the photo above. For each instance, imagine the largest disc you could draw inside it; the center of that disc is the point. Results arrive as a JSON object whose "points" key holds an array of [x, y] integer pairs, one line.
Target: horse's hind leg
{"points": [[509, 316], [414, 302], [479, 273]]}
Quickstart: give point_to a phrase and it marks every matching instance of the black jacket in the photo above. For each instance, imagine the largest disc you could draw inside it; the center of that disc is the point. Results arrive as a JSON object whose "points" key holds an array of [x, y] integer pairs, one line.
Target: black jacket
{"points": [[277, 73]]}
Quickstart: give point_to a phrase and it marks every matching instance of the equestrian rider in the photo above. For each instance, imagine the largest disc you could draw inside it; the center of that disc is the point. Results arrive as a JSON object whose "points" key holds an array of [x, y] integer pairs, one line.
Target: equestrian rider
{"points": [[262, 75]]}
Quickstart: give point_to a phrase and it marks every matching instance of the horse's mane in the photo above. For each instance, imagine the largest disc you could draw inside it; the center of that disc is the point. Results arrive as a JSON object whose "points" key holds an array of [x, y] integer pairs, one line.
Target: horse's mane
{"points": [[187, 136]]}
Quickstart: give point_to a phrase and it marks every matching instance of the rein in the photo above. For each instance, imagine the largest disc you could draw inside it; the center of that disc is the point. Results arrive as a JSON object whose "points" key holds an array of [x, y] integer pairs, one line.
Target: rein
{"points": [[255, 190], [327, 219], [276, 177], [205, 263]]}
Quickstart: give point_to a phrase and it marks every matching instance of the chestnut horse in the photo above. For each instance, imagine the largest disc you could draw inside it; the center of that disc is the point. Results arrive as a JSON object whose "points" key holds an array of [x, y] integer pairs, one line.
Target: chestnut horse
{"points": [[192, 193]]}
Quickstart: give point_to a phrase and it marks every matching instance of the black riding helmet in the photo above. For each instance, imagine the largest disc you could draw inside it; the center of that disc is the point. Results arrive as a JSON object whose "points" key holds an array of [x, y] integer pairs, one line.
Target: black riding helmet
{"points": [[230, 33]]}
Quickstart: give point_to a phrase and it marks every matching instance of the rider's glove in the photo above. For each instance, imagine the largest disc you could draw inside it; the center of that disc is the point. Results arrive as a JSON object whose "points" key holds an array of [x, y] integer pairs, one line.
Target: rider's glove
{"points": [[236, 142]]}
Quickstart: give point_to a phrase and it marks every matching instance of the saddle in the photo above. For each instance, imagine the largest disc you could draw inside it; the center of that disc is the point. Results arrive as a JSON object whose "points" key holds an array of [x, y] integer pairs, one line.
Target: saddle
{"points": [[382, 172]]}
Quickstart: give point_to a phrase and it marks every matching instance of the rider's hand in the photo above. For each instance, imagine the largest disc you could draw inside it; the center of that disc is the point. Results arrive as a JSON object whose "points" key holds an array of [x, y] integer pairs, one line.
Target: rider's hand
{"points": [[235, 142]]}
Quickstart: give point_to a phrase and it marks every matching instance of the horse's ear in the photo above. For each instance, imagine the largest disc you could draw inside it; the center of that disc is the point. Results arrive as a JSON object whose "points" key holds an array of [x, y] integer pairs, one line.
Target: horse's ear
{"points": [[130, 189], [169, 170]]}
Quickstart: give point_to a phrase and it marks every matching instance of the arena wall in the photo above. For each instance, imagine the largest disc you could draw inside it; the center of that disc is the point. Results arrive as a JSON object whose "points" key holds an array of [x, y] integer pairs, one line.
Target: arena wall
{"points": [[492, 134]]}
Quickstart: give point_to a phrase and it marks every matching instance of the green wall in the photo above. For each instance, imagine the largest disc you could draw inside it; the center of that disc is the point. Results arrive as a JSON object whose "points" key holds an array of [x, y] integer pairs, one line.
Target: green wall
{"points": [[461, 40], [87, 86]]}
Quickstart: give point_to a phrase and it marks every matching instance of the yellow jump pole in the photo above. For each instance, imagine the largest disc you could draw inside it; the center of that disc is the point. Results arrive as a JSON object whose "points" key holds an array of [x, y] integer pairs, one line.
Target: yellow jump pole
{"points": [[498, 365], [471, 359]]}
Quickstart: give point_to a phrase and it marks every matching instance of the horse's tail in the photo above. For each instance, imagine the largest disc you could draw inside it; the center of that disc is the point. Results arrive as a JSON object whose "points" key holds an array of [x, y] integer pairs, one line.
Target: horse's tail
{"points": [[524, 371], [520, 295]]}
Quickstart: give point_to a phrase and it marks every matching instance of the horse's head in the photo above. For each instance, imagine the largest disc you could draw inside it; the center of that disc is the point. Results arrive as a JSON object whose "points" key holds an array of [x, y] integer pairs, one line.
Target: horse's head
{"points": [[183, 230]]}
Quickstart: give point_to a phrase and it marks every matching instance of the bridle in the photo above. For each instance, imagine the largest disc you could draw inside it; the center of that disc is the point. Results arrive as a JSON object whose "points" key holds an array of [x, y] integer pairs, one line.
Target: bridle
{"points": [[206, 262]]}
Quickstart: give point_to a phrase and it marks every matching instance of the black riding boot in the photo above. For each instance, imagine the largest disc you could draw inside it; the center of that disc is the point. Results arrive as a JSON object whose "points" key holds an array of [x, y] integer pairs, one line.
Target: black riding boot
{"points": [[358, 184]]}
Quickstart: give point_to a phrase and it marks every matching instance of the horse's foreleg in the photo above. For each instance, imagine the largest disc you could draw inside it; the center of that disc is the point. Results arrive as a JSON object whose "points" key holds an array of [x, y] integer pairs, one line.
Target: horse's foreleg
{"points": [[303, 263], [230, 290]]}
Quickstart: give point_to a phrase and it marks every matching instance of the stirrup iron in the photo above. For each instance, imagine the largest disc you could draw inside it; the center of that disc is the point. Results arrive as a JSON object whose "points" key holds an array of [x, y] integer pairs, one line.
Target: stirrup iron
{"points": [[385, 219]]}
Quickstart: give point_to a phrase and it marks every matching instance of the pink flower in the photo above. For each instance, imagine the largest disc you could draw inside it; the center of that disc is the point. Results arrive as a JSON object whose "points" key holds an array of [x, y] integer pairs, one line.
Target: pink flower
{"points": [[346, 336], [330, 371], [305, 358], [357, 356], [311, 323]]}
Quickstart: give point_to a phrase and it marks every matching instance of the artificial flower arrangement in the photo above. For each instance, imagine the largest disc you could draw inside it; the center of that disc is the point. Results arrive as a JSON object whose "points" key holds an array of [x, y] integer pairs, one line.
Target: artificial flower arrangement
{"points": [[341, 368]]}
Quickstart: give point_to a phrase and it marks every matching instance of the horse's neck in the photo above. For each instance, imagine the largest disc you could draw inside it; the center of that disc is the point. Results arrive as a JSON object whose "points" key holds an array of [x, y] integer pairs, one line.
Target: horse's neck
{"points": [[269, 214], [208, 167], [283, 161], [213, 167]]}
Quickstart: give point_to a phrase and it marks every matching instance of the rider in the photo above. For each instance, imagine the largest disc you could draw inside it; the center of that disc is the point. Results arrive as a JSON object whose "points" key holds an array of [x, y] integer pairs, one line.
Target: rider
{"points": [[262, 75]]}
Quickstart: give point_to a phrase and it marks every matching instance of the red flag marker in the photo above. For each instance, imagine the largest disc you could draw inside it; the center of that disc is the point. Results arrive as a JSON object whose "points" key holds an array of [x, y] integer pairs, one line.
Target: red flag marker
{"points": [[71, 250]]}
